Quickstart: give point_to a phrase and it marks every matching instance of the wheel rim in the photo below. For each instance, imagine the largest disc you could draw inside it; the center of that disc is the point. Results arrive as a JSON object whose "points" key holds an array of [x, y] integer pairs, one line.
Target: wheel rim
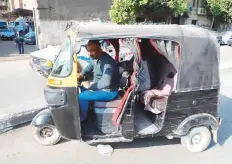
{"points": [[46, 132], [196, 139], [46, 135]]}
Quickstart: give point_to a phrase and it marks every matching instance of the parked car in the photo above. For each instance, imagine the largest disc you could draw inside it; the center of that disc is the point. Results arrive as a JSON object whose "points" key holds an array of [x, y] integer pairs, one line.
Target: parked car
{"points": [[229, 42], [41, 60], [225, 36], [7, 34], [3, 24], [30, 38], [216, 34]]}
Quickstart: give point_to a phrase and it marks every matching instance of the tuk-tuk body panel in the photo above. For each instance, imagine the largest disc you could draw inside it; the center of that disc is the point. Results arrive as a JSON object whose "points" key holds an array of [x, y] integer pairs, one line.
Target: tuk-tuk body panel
{"points": [[64, 105], [66, 117], [199, 64], [186, 104]]}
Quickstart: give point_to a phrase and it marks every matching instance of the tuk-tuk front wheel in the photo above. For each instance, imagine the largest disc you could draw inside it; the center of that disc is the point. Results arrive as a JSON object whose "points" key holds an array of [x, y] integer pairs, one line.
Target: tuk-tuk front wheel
{"points": [[46, 135], [197, 140]]}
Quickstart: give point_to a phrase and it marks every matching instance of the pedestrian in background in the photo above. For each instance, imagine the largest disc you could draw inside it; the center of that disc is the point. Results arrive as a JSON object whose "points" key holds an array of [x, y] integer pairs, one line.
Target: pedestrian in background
{"points": [[20, 42], [15, 39]]}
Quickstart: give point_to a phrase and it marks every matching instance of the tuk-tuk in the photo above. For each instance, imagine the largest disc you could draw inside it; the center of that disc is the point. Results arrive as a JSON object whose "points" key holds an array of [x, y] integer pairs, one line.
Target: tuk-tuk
{"points": [[186, 107]]}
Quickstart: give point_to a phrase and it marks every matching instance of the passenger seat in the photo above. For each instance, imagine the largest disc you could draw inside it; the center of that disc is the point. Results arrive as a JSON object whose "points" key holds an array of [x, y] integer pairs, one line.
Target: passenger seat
{"points": [[155, 100]]}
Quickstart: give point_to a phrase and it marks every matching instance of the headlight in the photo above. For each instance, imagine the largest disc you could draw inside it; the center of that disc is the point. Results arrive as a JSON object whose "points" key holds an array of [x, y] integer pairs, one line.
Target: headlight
{"points": [[47, 63], [43, 61]]}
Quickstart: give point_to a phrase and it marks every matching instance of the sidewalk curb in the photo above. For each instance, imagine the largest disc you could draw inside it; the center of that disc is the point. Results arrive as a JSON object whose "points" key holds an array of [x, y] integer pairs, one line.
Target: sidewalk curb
{"points": [[9, 122], [15, 57]]}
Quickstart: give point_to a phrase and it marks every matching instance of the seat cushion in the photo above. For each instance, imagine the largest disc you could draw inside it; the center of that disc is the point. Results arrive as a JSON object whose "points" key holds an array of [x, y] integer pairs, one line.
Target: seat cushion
{"points": [[110, 104], [157, 105]]}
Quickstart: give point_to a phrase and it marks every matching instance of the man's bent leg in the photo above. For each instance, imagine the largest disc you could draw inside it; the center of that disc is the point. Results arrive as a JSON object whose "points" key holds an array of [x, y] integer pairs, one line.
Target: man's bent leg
{"points": [[87, 96]]}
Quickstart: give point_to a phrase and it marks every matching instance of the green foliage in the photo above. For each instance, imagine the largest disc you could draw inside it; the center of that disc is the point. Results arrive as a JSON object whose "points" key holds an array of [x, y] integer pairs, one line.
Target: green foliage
{"points": [[123, 11], [221, 9], [126, 11], [179, 7]]}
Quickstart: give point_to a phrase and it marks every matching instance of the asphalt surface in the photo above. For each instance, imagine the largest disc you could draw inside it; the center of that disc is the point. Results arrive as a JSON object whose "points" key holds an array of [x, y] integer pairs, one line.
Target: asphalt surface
{"points": [[8, 48], [19, 147], [21, 89]]}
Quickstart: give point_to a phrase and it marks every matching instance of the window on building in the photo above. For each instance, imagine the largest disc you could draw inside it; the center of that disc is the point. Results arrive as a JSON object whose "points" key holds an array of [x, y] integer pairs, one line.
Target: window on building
{"points": [[194, 22], [25, 5]]}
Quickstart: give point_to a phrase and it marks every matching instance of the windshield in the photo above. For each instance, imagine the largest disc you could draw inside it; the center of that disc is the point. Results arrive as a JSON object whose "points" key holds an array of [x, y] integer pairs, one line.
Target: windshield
{"points": [[63, 64], [226, 33]]}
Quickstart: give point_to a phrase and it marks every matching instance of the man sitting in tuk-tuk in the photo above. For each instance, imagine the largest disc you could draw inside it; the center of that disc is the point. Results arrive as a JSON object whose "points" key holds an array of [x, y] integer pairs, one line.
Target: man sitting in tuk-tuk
{"points": [[106, 78]]}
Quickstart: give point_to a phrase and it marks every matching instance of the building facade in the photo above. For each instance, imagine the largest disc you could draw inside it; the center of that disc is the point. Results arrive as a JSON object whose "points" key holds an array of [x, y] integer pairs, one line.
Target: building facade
{"points": [[197, 14], [23, 4], [29, 4], [52, 16], [3, 9]]}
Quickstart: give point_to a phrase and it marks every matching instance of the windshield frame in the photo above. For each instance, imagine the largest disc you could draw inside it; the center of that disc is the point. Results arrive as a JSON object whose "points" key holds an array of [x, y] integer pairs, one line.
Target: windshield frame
{"points": [[71, 59]]}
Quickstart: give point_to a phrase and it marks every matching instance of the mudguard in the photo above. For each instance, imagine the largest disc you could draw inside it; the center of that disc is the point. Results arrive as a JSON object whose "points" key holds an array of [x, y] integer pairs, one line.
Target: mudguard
{"points": [[43, 118], [196, 121]]}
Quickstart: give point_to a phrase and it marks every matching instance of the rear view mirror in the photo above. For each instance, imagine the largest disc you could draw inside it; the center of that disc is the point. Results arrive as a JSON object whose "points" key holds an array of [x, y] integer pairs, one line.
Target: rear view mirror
{"points": [[77, 47]]}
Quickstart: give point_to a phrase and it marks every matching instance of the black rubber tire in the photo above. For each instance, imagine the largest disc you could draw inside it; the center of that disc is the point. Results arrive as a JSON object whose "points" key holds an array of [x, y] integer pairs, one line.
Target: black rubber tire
{"points": [[203, 143], [48, 141]]}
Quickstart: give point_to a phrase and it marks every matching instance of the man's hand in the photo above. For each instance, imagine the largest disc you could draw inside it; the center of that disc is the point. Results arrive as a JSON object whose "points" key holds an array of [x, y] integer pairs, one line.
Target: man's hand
{"points": [[79, 76]]}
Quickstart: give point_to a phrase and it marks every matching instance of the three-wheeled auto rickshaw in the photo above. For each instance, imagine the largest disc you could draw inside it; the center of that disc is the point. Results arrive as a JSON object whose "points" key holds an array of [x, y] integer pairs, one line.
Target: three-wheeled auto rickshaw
{"points": [[185, 106]]}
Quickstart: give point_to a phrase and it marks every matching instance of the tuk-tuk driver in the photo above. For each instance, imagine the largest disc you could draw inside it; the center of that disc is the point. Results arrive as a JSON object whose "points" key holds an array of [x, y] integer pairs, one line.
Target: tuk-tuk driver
{"points": [[106, 78]]}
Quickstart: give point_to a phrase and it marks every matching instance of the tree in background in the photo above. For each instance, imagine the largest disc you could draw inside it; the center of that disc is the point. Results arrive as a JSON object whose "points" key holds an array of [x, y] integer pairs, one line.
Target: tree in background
{"points": [[220, 10], [126, 11]]}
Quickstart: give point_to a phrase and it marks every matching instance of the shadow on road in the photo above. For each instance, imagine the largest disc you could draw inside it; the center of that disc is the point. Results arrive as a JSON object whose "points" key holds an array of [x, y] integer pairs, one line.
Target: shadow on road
{"points": [[146, 142], [225, 112]]}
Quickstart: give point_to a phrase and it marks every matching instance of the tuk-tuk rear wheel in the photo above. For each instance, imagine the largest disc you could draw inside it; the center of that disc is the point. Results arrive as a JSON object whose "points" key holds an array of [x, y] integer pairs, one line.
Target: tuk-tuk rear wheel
{"points": [[46, 135], [197, 140]]}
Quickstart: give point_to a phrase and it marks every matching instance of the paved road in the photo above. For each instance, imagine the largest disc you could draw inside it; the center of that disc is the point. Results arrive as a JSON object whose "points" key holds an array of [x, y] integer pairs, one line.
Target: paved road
{"points": [[18, 146], [21, 89]]}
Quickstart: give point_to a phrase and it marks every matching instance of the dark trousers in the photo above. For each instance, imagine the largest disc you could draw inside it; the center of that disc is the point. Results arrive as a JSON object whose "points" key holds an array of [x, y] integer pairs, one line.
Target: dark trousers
{"points": [[21, 48]]}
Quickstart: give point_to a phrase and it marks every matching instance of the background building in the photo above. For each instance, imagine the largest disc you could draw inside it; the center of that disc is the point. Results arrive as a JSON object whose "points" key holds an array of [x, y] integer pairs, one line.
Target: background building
{"points": [[52, 16], [23, 4], [197, 14], [3, 9]]}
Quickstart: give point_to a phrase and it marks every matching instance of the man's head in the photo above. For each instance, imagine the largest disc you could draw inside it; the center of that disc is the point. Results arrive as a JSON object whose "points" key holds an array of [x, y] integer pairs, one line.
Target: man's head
{"points": [[94, 49]]}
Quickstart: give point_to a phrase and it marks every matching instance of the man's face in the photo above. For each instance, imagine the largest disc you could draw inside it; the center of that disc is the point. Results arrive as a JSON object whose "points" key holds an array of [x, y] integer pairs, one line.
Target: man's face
{"points": [[94, 50]]}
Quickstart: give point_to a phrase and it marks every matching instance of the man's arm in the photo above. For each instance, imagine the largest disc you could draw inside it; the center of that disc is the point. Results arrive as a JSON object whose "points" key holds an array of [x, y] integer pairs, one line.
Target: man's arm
{"points": [[88, 69], [105, 81]]}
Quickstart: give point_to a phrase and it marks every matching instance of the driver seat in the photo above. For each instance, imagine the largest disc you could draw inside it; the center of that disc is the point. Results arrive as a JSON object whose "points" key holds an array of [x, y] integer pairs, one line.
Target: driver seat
{"points": [[124, 83]]}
